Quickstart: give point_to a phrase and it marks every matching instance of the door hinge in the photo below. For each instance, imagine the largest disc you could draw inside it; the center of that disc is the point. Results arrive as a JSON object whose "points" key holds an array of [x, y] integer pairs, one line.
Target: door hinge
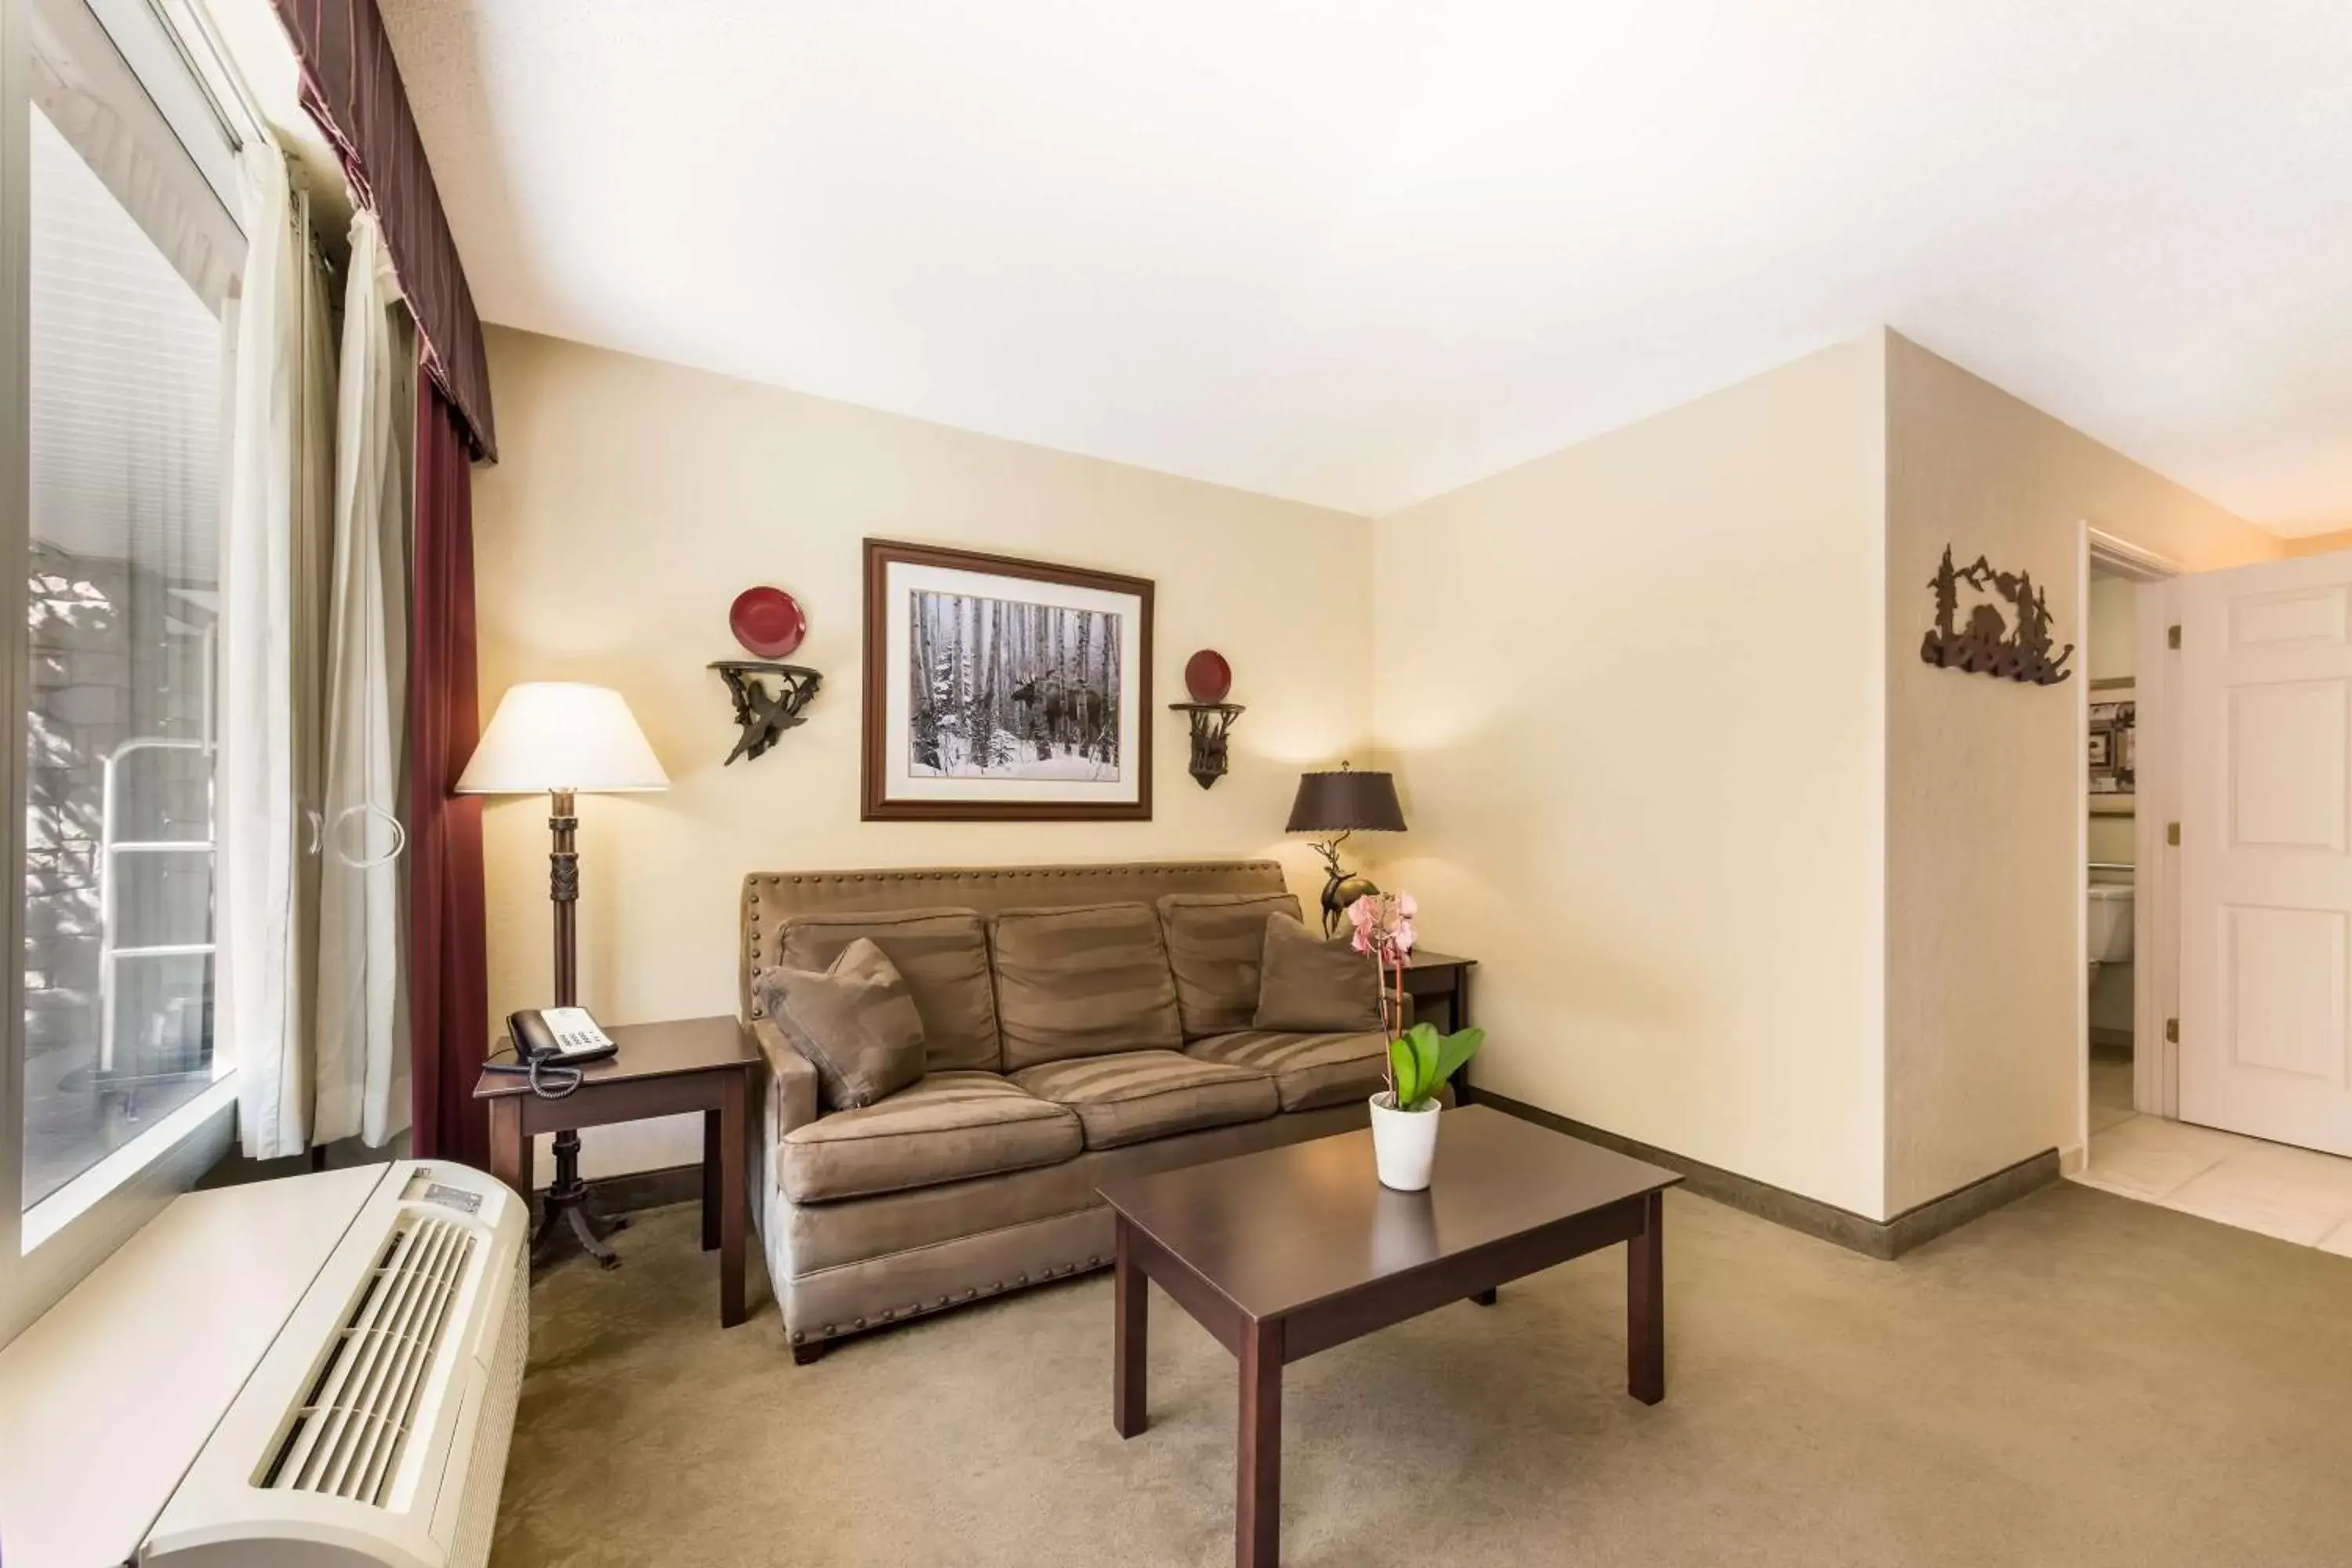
{"points": [[2172, 833], [2172, 1030], [2172, 636]]}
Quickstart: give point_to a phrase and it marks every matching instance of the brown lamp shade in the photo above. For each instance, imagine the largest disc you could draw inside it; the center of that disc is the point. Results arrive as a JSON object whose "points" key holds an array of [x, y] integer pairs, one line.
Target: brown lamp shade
{"points": [[1344, 802]]}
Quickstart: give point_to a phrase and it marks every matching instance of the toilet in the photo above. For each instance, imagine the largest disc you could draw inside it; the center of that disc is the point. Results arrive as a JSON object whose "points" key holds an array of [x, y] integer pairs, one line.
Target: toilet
{"points": [[2110, 908]]}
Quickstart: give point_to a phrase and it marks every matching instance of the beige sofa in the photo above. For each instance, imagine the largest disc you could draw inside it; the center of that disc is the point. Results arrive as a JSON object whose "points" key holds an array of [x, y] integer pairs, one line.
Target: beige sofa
{"points": [[980, 1179]]}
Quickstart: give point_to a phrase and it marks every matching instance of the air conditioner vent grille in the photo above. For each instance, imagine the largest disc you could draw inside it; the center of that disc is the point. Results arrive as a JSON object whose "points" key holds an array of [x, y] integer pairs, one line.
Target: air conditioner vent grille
{"points": [[349, 1437]]}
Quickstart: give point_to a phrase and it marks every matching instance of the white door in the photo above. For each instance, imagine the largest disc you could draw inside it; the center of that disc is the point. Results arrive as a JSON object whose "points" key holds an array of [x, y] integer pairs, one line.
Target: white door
{"points": [[2265, 688]]}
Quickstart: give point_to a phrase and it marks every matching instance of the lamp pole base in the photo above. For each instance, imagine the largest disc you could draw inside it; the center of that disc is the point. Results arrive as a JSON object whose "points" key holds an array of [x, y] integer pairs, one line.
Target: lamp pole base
{"points": [[567, 1206]]}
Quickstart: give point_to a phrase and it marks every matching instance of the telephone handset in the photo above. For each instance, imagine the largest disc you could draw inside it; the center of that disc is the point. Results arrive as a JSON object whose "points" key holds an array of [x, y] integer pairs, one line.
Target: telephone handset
{"points": [[557, 1037]]}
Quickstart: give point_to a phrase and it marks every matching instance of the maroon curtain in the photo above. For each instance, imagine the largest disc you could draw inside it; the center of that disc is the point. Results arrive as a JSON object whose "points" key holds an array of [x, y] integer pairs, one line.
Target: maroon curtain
{"points": [[352, 87], [448, 986]]}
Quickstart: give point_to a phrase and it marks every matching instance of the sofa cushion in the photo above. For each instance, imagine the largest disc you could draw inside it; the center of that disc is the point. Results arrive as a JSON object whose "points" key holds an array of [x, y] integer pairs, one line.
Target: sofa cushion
{"points": [[853, 1021], [1309, 1070], [1136, 1095], [1215, 942], [950, 1127], [943, 956], [1082, 982], [1312, 987]]}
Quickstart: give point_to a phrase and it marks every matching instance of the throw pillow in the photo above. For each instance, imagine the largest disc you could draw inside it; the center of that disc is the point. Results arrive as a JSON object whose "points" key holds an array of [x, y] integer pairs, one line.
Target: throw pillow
{"points": [[943, 956], [854, 1021], [1214, 943], [1311, 986]]}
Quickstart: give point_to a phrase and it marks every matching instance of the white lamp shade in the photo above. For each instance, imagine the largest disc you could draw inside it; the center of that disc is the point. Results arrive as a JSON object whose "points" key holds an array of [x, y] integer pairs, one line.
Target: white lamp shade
{"points": [[551, 735]]}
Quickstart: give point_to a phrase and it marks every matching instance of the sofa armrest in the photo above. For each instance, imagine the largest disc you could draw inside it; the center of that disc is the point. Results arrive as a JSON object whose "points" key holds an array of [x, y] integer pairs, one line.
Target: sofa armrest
{"points": [[793, 1092]]}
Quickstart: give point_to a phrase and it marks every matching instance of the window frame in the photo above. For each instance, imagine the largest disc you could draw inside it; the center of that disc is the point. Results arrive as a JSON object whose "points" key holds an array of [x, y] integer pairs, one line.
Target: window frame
{"points": [[45, 1252]]}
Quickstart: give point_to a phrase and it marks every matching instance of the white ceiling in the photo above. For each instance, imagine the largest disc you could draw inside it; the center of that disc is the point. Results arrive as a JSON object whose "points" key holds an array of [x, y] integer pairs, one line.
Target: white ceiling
{"points": [[1363, 251]]}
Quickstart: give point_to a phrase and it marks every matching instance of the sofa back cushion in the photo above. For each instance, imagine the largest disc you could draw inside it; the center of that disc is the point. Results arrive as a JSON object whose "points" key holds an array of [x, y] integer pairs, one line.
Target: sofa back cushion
{"points": [[1083, 982], [1315, 987], [941, 953], [1215, 942], [854, 1021], [774, 900]]}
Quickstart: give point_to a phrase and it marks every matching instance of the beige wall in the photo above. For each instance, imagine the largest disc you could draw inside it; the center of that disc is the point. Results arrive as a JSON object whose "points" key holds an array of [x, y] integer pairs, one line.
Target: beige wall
{"points": [[2110, 650], [1748, 879], [1632, 694], [1984, 821], [636, 499]]}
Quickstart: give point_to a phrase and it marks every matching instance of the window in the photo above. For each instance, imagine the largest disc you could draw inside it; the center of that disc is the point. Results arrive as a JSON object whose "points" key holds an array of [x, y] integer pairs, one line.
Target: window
{"points": [[117, 290], [126, 388]]}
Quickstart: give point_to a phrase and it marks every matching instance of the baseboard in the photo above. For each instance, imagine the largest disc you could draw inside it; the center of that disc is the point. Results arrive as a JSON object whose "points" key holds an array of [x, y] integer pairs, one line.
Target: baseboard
{"points": [[1881, 1239], [635, 1189]]}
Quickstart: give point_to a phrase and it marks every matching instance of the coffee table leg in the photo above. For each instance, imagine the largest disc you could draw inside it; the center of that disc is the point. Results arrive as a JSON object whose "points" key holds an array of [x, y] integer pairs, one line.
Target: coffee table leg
{"points": [[1645, 1305], [1130, 1332], [1485, 1298], [1257, 1506]]}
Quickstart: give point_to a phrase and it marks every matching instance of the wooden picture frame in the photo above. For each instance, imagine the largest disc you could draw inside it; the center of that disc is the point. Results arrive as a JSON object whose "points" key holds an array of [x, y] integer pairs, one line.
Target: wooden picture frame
{"points": [[1038, 701]]}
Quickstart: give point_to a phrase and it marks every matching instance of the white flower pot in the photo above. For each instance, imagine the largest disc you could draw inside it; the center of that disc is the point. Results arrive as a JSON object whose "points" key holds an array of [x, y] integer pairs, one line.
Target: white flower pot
{"points": [[1405, 1144]]}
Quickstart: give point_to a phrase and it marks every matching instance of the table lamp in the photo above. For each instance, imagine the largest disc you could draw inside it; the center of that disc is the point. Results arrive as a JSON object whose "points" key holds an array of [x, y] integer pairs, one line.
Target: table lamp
{"points": [[1341, 803], [564, 738]]}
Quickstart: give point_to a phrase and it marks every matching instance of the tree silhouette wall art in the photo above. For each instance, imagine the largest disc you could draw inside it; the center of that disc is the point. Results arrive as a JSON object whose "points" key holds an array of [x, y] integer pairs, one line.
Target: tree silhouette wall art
{"points": [[1987, 643]]}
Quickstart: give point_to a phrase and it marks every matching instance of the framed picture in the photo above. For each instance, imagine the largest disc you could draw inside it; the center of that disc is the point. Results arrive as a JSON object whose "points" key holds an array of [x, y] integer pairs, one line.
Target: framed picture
{"points": [[2114, 730], [997, 688]]}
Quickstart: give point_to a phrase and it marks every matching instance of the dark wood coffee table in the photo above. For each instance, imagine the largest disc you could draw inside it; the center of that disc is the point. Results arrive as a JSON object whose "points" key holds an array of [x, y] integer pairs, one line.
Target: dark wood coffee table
{"points": [[1292, 1251]]}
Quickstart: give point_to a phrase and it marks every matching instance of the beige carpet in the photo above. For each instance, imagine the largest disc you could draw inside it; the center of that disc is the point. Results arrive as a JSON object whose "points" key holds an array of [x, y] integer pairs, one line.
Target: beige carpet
{"points": [[2078, 1380]]}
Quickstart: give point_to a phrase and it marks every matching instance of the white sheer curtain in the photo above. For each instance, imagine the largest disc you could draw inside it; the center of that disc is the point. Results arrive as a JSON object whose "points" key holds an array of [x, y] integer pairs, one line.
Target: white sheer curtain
{"points": [[363, 1030], [277, 502]]}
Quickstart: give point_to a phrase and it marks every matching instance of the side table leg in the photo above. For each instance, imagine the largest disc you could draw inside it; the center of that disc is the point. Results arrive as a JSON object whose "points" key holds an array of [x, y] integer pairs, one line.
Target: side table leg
{"points": [[733, 1197], [1130, 1336], [1257, 1504], [711, 1196], [1645, 1305], [510, 1150]]}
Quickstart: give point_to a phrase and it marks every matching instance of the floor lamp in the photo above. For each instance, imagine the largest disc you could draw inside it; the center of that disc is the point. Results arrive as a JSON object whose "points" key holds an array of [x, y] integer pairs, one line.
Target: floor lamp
{"points": [[562, 738]]}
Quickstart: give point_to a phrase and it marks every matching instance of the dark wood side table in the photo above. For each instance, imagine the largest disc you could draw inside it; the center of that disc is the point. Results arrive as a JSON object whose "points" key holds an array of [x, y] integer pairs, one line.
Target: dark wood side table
{"points": [[663, 1070], [1443, 977]]}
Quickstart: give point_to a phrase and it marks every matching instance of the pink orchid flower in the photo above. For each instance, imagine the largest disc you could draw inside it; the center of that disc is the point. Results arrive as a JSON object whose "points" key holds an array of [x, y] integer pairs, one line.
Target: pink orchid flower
{"points": [[1364, 916]]}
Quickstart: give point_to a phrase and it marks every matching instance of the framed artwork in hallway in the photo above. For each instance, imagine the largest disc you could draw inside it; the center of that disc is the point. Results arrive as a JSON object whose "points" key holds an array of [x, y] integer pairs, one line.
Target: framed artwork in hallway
{"points": [[1003, 689]]}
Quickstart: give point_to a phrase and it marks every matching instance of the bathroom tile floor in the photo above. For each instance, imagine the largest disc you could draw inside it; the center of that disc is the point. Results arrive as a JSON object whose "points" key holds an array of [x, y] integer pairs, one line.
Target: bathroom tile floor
{"points": [[2294, 1195]]}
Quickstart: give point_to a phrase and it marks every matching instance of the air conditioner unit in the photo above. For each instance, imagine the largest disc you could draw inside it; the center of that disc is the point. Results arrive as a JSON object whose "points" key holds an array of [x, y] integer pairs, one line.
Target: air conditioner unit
{"points": [[370, 1429]]}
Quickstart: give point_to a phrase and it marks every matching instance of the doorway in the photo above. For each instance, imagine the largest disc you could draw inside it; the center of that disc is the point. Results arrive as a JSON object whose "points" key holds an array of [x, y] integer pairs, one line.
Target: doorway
{"points": [[2238, 774], [2125, 1069]]}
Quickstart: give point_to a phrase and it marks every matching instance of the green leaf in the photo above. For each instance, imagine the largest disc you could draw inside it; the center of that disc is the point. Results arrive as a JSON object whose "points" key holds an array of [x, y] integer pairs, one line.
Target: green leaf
{"points": [[1422, 1042], [1456, 1049], [1400, 1068]]}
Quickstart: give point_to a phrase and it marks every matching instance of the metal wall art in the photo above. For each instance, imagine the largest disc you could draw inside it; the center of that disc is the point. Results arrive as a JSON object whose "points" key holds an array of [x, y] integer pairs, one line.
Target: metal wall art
{"points": [[770, 623], [763, 715], [1988, 643], [1209, 679]]}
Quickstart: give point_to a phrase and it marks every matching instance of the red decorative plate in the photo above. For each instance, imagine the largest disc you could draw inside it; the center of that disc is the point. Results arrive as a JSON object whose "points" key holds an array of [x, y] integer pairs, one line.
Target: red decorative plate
{"points": [[768, 621], [1208, 676]]}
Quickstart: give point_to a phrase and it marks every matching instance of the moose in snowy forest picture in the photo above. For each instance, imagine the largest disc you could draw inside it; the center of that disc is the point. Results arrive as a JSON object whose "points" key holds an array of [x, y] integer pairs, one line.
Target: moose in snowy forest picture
{"points": [[1004, 688]]}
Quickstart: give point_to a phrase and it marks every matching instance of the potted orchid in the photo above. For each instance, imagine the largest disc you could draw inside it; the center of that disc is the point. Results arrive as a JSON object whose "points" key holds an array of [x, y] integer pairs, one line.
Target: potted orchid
{"points": [[1420, 1059]]}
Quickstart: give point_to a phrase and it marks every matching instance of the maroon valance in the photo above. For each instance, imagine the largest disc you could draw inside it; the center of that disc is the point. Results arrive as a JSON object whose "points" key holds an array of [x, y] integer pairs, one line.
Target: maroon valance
{"points": [[351, 85]]}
